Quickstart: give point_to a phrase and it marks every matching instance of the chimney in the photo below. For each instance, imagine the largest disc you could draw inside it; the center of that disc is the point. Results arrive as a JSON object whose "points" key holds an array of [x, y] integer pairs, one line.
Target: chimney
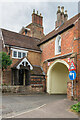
{"points": [[65, 16], [62, 9], [36, 18], [61, 16], [58, 22]]}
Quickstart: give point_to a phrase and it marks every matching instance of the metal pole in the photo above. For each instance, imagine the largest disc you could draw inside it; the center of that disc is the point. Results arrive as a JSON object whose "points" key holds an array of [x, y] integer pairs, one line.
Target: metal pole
{"points": [[72, 89]]}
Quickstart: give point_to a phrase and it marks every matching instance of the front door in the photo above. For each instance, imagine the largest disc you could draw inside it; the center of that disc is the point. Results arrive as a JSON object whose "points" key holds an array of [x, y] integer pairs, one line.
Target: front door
{"points": [[21, 76], [27, 77]]}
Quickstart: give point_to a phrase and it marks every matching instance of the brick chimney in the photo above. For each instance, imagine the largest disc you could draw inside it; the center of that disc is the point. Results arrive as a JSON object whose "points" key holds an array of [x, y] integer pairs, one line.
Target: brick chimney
{"points": [[65, 16], [61, 16], [36, 18], [35, 28]]}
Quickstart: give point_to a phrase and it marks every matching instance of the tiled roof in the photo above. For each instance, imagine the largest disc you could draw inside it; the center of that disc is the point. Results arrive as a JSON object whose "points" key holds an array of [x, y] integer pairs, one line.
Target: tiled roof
{"points": [[16, 64], [18, 40], [37, 70], [63, 27]]}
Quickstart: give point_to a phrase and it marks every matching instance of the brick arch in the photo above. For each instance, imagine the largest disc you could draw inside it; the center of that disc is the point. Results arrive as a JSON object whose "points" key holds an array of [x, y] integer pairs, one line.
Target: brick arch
{"points": [[49, 72]]}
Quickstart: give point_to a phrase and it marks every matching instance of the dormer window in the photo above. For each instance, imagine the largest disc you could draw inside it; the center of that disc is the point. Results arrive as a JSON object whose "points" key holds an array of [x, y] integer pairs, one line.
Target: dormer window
{"points": [[58, 45]]}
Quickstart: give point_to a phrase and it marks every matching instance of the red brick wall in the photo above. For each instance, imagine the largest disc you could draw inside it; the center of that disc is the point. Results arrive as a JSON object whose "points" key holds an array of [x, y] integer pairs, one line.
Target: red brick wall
{"points": [[33, 57], [69, 44], [6, 77], [36, 30]]}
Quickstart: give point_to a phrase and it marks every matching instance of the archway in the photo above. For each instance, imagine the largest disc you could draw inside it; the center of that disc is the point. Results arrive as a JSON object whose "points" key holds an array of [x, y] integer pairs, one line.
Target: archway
{"points": [[57, 77]]}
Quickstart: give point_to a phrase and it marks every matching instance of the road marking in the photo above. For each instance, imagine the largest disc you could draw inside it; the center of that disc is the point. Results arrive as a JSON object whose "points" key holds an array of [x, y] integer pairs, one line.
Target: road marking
{"points": [[26, 111]]}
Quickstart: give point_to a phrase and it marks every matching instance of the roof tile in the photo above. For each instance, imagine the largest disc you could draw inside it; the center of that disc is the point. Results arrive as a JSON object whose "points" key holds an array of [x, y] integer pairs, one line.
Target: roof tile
{"points": [[16, 39]]}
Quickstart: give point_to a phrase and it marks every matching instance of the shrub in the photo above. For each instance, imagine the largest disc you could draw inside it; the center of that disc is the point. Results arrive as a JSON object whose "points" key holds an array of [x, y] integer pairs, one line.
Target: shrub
{"points": [[76, 107]]}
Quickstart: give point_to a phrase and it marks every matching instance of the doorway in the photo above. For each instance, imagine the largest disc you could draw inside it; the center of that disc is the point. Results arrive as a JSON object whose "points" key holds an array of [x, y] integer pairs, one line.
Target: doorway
{"points": [[24, 77]]}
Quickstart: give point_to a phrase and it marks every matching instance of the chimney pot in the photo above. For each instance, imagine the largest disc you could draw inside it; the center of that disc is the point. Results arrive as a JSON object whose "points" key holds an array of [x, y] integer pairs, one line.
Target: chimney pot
{"points": [[62, 9], [33, 10], [37, 12], [58, 7], [65, 11], [40, 14], [58, 11], [65, 15]]}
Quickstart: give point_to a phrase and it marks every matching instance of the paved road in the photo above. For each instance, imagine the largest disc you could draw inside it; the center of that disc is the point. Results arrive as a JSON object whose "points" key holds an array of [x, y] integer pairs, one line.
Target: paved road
{"points": [[19, 105]]}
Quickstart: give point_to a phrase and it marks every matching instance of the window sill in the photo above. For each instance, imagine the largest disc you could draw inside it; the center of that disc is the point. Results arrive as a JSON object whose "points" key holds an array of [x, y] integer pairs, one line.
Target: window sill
{"points": [[16, 58], [58, 53]]}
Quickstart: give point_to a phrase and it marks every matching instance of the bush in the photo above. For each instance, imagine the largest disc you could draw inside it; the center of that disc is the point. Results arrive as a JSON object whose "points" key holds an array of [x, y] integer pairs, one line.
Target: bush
{"points": [[5, 60], [76, 107]]}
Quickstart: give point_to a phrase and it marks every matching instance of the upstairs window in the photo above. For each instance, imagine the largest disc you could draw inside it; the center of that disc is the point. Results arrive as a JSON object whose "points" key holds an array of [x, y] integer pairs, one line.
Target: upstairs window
{"points": [[14, 53], [18, 54], [24, 54], [58, 45]]}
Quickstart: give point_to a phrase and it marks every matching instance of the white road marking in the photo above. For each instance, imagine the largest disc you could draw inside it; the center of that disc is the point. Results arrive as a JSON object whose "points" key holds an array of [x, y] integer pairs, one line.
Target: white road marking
{"points": [[26, 111]]}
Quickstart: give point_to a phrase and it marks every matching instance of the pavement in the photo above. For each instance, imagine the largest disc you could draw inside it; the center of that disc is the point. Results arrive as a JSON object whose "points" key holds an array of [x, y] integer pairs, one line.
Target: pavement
{"points": [[37, 106]]}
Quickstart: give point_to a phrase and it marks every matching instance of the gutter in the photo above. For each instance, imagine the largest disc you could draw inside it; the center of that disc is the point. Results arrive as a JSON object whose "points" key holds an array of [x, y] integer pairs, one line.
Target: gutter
{"points": [[18, 47]]}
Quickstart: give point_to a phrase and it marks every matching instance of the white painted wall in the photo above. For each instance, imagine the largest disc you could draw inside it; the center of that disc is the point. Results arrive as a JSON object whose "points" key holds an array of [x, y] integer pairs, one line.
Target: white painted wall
{"points": [[57, 79]]}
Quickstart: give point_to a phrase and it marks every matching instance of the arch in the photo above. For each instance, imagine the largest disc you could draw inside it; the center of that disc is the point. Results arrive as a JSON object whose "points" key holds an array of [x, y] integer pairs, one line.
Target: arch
{"points": [[51, 71]]}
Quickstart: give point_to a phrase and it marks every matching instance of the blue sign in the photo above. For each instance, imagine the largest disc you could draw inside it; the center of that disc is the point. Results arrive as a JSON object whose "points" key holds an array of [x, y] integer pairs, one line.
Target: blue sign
{"points": [[72, 75]]}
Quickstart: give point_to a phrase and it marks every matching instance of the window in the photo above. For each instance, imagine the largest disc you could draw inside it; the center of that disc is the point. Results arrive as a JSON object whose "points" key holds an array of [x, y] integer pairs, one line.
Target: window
{"points": [[58, 45], [24, 54], [14, 54], [18, 54]]}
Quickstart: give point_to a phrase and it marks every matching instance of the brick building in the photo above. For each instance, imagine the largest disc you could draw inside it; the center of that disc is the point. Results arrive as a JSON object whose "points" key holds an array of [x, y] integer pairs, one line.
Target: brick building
{"points": [[43, 60]]}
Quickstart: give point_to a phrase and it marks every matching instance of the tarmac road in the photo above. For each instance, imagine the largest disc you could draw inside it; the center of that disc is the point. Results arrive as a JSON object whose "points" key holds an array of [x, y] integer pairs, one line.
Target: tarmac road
{"points": [[33, 106]]}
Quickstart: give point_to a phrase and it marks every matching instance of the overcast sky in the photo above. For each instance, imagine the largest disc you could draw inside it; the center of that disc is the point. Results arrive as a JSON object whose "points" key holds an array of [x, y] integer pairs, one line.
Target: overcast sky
{"points": [[14, 15]]}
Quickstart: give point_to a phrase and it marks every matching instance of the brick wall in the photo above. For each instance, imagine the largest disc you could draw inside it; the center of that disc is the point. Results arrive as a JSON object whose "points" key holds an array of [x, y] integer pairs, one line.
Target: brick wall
{"points": [[48, 49], [6, 77], [36, 30], [33, 57], [69, 44]]}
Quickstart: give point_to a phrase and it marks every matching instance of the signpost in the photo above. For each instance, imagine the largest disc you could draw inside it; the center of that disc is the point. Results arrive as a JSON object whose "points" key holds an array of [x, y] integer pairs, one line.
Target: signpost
{"points": [[72, 75], [72, 66]]}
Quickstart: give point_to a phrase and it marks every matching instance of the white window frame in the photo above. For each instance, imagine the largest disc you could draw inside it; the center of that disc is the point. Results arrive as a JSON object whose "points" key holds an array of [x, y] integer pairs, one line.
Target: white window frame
{"points": [[22, 51], [56, 45]]}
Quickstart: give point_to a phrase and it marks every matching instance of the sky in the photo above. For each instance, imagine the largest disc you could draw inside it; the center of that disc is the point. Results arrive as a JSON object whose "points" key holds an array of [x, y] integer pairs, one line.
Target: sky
{"points": [[15, 14]]}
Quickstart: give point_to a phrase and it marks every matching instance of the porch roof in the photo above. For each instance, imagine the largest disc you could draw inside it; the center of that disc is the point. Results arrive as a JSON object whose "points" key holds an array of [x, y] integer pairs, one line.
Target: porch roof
{"points": [[20, 62], [34, 69], [37, 70]]}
